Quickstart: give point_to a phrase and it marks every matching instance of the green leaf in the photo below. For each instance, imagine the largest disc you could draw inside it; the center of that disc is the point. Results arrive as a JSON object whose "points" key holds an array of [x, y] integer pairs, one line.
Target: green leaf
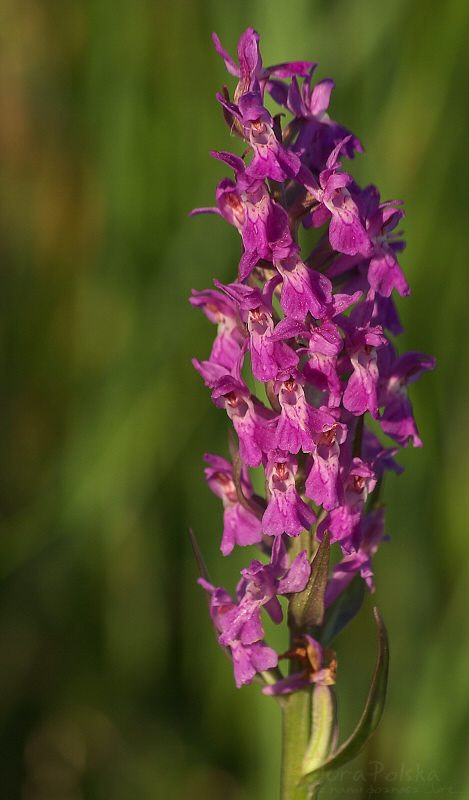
{"points": [[324, 727], [370, 717], [306, 608], [342, 611]]}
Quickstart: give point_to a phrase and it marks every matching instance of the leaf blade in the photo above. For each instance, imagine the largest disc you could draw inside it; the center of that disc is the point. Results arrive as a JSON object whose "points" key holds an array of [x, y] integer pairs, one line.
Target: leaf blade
{"points": [[371, 715]]}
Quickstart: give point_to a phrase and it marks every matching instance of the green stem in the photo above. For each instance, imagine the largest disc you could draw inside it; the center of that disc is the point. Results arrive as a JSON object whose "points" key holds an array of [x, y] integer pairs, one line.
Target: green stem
{"points": [[309, 737], [296, 733]]}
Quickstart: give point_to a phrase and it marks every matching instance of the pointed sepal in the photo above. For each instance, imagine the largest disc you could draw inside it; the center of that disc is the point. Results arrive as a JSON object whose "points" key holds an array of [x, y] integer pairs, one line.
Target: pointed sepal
{"points": [[370, 717]]}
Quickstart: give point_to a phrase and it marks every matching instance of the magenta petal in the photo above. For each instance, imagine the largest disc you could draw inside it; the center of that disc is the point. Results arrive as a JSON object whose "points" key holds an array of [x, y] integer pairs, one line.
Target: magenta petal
{"points": [[347, 234], [295, 682], [250, 659], [287, 513], [297, 576], [321, 95], [229, 63], [274, 609], [385, 274]]}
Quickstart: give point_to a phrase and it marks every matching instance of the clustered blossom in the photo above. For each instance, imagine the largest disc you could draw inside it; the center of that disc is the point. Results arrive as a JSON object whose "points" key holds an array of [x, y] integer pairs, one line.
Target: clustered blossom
{"points": [[314, 330]]}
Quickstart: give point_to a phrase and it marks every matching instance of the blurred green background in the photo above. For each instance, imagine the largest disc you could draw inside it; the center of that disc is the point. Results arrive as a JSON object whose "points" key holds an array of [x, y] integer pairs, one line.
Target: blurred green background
{"points": [[111, 683]]}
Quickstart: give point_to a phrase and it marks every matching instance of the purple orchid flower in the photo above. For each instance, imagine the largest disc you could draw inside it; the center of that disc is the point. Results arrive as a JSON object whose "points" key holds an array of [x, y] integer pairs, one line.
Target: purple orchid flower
{"points": [[221, 310], [263, 224], [345, 522], [248, 659], [250, 70], [301, 356], [360, 561], [262, 583], [325, 343], [271, 159], [347, 233], [269, 355], [317, 135], [323, 482], [303, 289], [286, 512], [361, 341], [253, 422], [380, 458], [299, 421], [397, 419], [240, 526], [240, 624]]}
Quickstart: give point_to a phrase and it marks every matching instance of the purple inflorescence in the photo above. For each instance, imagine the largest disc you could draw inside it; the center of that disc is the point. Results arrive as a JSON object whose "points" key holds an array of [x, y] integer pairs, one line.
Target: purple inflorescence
{"points": [[302, 358]]}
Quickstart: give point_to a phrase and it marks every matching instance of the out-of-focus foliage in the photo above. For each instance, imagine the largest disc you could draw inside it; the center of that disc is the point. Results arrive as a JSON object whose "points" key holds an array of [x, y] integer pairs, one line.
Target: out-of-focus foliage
{"points": [[111, 684]]}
